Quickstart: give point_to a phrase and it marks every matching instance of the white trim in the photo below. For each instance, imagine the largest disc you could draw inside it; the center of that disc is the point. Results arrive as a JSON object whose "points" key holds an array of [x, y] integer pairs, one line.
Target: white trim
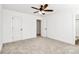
{"points": [[0, 47]]}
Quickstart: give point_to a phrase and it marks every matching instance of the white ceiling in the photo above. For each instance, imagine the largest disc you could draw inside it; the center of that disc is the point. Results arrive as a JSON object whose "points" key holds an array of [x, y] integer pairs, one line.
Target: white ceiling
{"points": [[25, 8]]}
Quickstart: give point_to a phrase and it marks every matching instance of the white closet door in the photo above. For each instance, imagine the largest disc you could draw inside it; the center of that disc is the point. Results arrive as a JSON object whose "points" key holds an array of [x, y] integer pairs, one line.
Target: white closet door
{"points": [[17, 28]]}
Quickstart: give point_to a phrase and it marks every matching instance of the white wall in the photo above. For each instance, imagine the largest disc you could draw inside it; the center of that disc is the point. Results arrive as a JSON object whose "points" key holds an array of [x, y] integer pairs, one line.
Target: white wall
{"points": [[28, 24], [0, 26], [44, 26], [60, 24]]}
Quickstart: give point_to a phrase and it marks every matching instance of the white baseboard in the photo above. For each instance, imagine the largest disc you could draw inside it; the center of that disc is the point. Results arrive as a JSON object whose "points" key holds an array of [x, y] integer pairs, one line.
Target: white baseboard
{"points": [[61, 41], [9, 41]]}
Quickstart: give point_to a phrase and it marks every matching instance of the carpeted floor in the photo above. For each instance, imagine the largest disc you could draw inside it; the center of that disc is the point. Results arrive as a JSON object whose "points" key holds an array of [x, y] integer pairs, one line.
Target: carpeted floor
{"points": [[39, 46]]}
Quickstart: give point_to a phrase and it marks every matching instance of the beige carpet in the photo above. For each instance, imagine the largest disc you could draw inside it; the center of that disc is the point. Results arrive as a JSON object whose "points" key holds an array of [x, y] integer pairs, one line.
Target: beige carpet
{"points": [[39, 46]]}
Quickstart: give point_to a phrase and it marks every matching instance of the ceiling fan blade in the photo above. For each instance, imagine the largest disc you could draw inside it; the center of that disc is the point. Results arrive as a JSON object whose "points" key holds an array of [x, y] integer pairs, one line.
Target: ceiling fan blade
{"points": [[35, 8], [45, 6], [36, 11], [49, 10]]}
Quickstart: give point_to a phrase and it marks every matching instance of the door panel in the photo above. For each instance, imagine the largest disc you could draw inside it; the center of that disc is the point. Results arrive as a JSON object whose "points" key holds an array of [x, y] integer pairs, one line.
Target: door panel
{"points": [[17, 28]]}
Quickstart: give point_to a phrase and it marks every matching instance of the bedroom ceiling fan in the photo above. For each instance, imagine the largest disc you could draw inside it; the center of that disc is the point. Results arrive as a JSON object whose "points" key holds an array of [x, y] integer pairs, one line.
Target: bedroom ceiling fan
{"points": [[42, 9]]}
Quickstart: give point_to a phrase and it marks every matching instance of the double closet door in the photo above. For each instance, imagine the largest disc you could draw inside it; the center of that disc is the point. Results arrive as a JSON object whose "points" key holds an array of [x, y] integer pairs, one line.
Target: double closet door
{"points": [[17, 29]]}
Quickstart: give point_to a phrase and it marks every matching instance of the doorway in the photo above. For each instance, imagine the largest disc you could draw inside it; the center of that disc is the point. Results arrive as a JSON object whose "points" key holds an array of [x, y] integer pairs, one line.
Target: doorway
{"points": [[38, 28], [77, 30]]}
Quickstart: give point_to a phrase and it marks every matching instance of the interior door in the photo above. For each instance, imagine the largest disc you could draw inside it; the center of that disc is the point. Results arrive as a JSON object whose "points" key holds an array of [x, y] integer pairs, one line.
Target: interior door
{"points": [[17, 28], [38, 27]]}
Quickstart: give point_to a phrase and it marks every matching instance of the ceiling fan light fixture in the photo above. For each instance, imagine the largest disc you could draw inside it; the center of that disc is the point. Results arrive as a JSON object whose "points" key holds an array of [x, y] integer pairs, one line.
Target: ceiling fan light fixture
{"points": [[41, 12]]}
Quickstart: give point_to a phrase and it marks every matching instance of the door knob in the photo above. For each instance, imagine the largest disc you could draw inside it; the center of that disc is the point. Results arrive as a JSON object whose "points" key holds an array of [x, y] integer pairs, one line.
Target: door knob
{"points": [[21, 29], [45, 28]]}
